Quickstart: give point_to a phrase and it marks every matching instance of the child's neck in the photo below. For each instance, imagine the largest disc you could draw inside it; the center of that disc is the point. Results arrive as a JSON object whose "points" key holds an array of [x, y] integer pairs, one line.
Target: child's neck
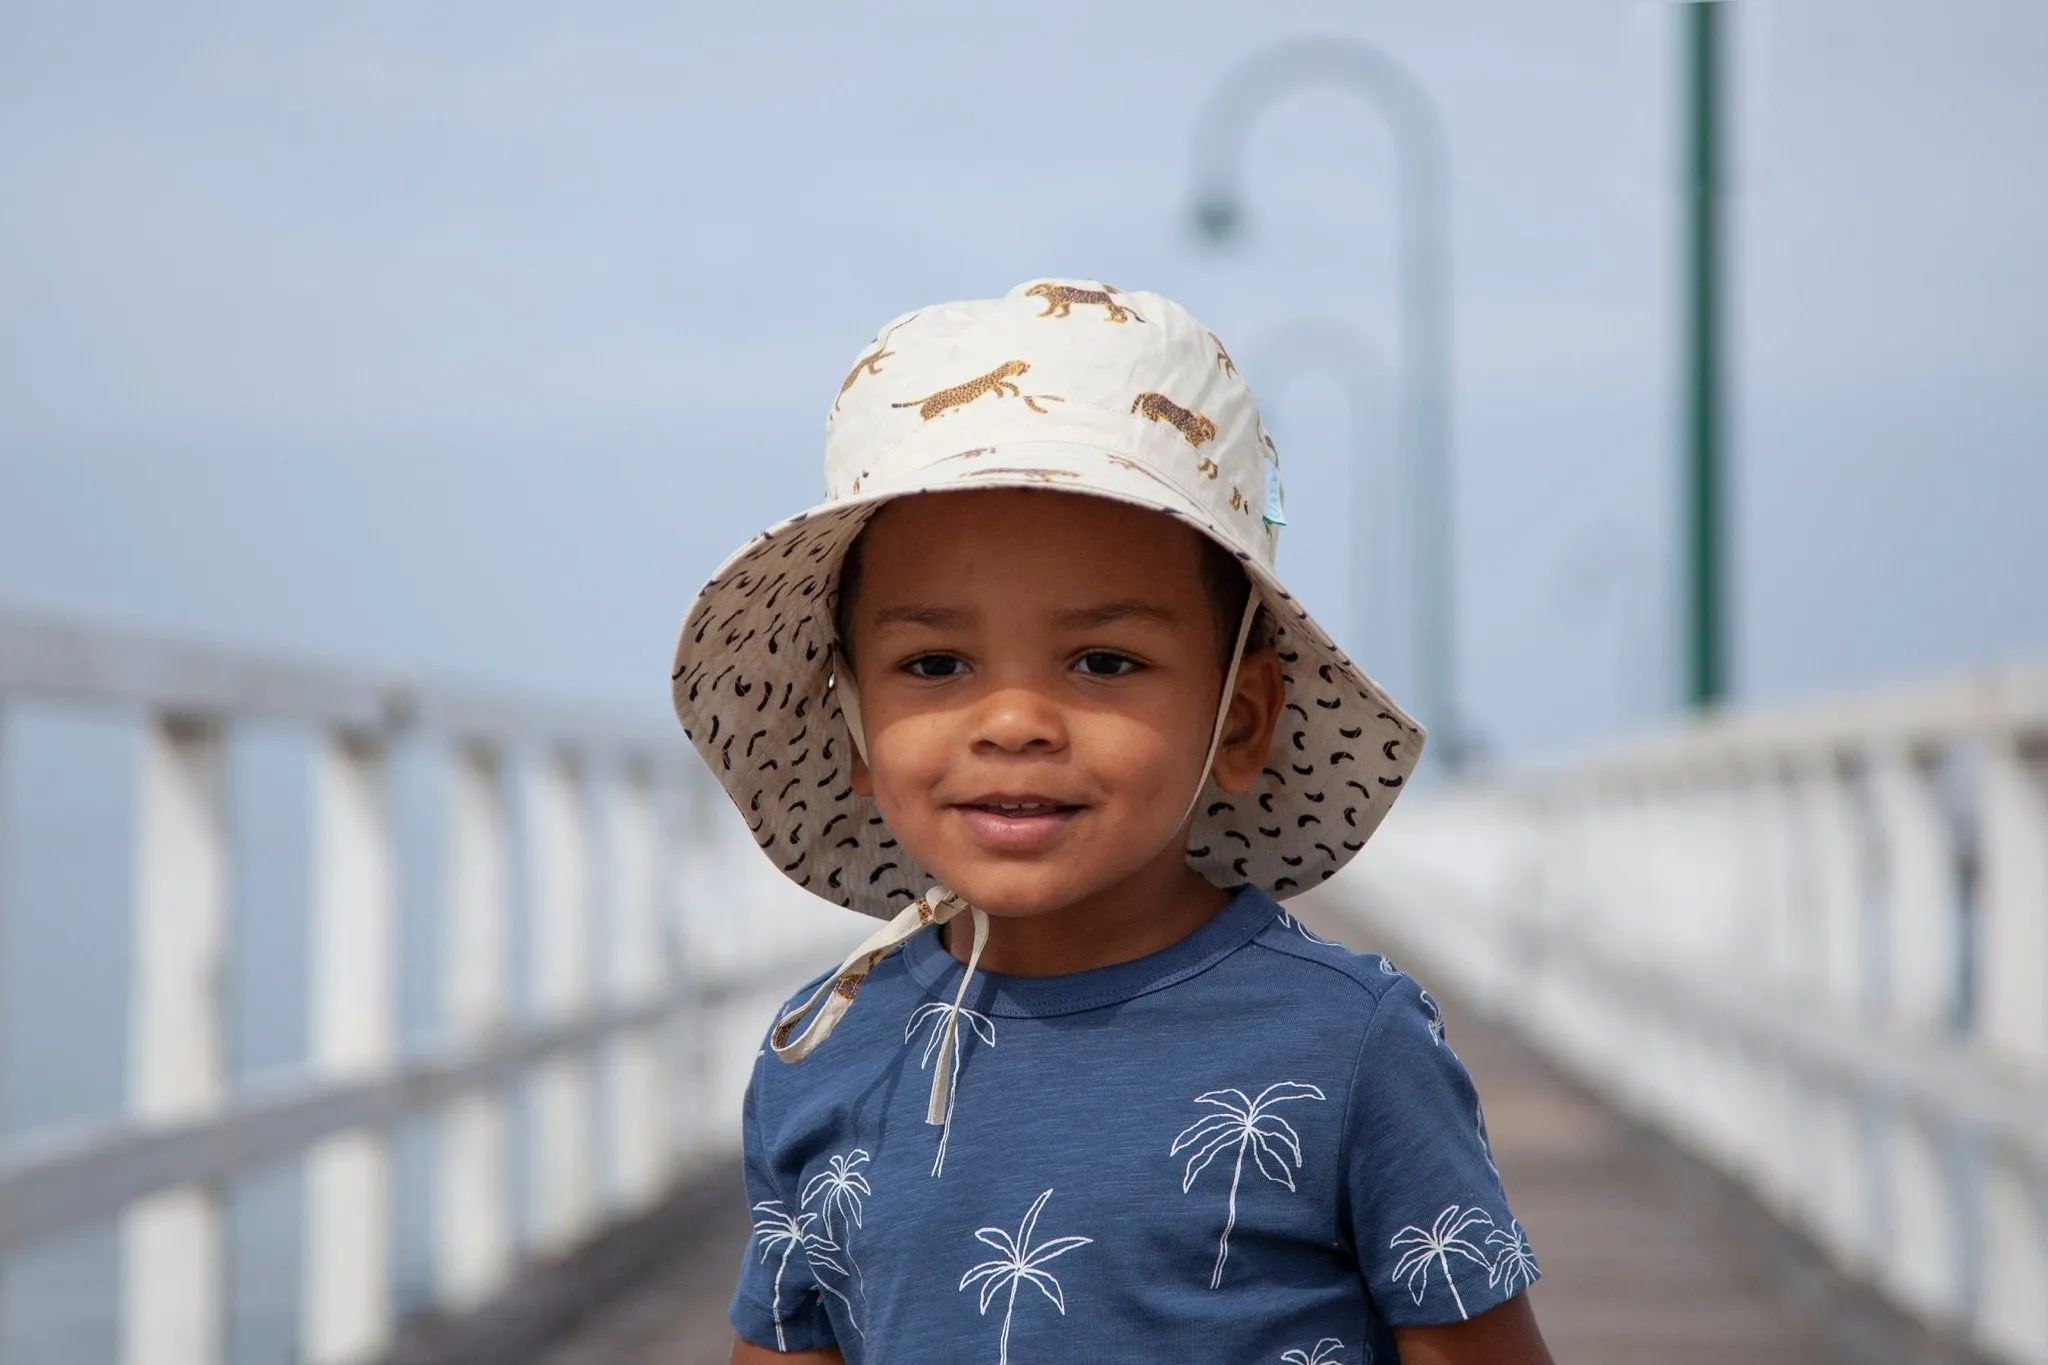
{"points": [[1120, 923]]}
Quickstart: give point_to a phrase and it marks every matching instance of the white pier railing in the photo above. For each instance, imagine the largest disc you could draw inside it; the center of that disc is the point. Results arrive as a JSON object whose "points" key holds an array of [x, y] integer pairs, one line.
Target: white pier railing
{"points": [[1813, 947], [658, 943]]}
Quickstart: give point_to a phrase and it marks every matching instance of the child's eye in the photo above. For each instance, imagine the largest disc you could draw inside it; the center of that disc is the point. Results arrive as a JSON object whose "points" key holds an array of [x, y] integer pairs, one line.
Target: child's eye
{"points": [[935, 666], [1103, 663]]}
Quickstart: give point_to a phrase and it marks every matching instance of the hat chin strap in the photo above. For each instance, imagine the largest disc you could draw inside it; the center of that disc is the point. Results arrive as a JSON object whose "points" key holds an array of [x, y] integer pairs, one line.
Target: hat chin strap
{"points": [[939, 904], [1244, 635], [849, 708]]}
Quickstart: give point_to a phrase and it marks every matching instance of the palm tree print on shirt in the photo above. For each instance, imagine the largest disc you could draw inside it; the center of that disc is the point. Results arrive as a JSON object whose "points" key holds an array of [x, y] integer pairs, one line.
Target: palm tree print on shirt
{"points": [[934, 1015], [1249, 1126], [1444, 1239], [818, 1253], [779, 1229], [1436, 1018], [838, 1191], [1325, 1353], [1515, 1261], [1021, 1263]]}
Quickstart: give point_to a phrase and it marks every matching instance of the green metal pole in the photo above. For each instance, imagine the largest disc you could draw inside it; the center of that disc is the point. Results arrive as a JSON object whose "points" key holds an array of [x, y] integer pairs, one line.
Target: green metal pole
{"points": [[1706, 680]]}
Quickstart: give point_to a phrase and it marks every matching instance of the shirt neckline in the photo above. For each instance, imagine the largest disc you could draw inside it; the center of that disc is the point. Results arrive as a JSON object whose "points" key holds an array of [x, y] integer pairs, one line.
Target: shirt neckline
{"points": [[1236, 924]]}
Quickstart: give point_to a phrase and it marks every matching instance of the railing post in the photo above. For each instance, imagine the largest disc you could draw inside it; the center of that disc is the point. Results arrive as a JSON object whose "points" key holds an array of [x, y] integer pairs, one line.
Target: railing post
{"points": [[1784, 922], [1803, 985], [2013, 834], [738, 906], [639, 1161], [694, 884], [347, 1306], [1830, 876], [1787, 920], [173, 1287], [1924, 943], [560, 1176], [2013, 830], [1921, 922], [472, 1224], [1825, 875]]}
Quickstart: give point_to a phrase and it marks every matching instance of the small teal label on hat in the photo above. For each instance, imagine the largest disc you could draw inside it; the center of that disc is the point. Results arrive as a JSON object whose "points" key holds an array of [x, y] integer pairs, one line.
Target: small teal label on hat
{"points": [[1275, 513]]}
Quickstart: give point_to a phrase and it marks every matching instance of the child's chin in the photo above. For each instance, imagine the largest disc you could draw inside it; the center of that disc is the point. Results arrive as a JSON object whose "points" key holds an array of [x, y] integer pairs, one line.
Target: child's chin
{"points": [[1013, 893]]}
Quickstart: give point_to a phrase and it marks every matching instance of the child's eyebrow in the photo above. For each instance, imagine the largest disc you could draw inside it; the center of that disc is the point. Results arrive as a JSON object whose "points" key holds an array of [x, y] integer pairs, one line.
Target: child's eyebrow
{"points": [[1108, 613], [927, 614]]}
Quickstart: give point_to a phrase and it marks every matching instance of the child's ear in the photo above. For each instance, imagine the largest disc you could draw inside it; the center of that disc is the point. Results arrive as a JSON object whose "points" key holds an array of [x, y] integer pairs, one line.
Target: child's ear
{"points": [[1248, 725]]}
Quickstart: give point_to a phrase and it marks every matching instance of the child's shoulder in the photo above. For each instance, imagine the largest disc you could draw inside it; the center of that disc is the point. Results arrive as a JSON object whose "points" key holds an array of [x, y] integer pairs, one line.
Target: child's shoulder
{"points": [[1326, 962], [1397, 1017]]}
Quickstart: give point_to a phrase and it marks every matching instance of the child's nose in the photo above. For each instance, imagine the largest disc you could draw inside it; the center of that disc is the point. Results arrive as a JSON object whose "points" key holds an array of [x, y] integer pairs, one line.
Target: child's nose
{"points": [[1019, 720]]}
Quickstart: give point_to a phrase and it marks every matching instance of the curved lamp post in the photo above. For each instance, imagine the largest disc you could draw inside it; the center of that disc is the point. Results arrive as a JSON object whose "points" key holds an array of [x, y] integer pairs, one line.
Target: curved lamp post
{"points": [[1422, 205], [1325, 346]]}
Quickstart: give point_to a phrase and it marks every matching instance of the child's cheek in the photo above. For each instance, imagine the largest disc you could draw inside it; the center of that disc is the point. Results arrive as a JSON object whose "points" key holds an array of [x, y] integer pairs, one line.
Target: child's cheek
{"points": [[909, 759], [1153, 753]]}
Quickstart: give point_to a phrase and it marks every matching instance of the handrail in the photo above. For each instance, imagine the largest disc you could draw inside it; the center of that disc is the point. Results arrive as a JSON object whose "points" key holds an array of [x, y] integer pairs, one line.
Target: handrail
{"points": [[2014, 698], [76, 1180], [83, 663], [1810, 943], [658, 938]]}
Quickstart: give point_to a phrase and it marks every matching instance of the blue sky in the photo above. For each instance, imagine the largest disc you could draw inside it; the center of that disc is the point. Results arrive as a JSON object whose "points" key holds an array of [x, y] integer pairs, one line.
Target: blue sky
{"points": [[467, 339]]}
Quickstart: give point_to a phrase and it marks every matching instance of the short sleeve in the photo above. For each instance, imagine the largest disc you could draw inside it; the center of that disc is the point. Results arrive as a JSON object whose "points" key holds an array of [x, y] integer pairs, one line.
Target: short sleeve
{"points": [[1436, 1241], [777, 1303]]}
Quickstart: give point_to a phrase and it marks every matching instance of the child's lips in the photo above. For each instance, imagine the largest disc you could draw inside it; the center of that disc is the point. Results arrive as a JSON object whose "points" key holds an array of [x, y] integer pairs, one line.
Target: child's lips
{"points": [[1016, 826]]}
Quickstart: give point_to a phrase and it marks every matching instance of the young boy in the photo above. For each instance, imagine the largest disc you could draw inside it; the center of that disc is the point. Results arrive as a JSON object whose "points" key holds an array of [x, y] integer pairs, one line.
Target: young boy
{"points": [[1025, 686]]}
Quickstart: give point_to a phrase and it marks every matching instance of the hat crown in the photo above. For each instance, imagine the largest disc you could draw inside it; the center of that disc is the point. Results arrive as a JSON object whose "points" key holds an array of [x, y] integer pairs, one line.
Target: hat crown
{"points": [[1058, 361]]}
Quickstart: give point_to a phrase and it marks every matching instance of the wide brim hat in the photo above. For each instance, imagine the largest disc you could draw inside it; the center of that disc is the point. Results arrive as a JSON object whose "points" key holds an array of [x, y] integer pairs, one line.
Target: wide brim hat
{"points": [[1069, 385]]}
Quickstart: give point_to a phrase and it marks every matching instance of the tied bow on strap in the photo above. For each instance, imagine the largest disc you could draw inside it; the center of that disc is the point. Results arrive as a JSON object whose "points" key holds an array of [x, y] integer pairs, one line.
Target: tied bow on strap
{"points": [[835, 994]]}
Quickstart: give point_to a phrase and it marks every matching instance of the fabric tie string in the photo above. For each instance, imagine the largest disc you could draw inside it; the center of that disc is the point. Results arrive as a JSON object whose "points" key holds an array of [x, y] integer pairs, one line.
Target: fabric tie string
{"points": [[834, 996]]}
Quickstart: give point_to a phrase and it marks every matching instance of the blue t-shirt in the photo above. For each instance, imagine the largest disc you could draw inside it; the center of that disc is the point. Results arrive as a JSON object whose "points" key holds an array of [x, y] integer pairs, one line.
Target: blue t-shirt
{"points": [[1253, 1145]]}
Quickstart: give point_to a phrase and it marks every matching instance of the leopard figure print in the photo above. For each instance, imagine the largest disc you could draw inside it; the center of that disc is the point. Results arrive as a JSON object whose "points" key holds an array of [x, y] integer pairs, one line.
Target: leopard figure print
{"points": [[1061, 298], [1193, 425], [996, 381]]}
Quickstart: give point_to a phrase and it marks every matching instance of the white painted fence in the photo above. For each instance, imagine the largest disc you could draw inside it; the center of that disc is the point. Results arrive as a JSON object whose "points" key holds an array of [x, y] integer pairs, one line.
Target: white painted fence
{"points": [[660, 942], [1813, 947]]}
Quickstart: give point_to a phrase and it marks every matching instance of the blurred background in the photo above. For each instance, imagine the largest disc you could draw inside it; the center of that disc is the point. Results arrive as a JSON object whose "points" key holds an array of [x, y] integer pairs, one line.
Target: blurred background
{"points": [[463, 341], [470, 341]]}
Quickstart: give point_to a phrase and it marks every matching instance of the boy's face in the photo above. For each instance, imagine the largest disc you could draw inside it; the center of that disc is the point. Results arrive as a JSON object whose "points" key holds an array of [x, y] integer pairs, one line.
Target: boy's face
{"points": [[1039, 674]]}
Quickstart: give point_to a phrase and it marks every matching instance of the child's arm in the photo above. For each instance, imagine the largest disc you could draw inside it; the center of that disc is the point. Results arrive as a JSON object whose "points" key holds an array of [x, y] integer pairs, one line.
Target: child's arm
{"points": [[1505, 1335], [1442, 1254], [745, 1352]]}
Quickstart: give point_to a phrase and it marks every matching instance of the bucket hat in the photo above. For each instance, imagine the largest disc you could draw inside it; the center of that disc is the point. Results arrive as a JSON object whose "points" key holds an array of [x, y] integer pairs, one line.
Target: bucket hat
{"points": [[1061, 384]]}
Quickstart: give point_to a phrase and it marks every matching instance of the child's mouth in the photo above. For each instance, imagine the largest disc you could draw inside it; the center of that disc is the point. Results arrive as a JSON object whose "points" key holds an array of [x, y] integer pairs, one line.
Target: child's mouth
{"points": [[1016, 826]]}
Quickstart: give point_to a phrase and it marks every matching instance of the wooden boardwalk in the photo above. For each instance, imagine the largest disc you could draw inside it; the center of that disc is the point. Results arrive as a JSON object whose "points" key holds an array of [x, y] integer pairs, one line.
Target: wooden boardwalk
{"points": [[1648, 1258]]}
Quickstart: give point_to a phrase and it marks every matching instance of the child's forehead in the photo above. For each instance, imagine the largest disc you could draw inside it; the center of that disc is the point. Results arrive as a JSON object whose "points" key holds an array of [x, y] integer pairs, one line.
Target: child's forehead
{"points": [[1058, 554]]}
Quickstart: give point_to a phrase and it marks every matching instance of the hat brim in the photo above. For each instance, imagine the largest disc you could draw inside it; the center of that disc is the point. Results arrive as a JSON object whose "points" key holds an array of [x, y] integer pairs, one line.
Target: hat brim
{"points": [[752, 685]]}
